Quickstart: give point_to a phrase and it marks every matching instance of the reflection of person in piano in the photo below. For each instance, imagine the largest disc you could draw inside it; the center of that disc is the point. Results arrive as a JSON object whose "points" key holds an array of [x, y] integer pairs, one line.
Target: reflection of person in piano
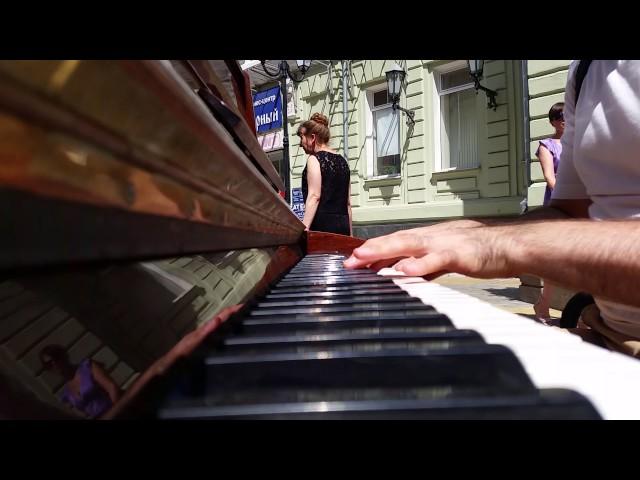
{"points": [[185, 347], [88, 388], [326, 180], [596, 199]]}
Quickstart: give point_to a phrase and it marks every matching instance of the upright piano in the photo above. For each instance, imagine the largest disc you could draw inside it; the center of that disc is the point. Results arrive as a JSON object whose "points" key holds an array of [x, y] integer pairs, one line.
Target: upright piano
{"points": [[143, 229]]}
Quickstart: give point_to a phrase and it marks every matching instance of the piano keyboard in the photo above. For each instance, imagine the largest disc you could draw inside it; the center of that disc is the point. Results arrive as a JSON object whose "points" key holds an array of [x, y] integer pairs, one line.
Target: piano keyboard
{"points": [[551, 357], [325, 342]]}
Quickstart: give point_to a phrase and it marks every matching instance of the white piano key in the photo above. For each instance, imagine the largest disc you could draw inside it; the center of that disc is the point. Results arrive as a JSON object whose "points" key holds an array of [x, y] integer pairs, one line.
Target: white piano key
{"points": [[553, 358]]}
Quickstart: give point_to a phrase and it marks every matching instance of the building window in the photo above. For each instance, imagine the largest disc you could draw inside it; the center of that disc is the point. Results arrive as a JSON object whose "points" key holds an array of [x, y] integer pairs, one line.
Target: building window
{"points": [[457, 120], [383, 135]]}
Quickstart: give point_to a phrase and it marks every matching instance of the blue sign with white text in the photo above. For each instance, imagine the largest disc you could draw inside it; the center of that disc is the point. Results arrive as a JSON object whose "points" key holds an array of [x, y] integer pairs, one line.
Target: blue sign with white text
{"points": [[297, 202], [267, 108]]}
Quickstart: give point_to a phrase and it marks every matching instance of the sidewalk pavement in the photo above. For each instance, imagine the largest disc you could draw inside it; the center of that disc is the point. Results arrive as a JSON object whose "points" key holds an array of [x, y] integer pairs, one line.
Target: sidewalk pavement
{"points": [[501, 293]]}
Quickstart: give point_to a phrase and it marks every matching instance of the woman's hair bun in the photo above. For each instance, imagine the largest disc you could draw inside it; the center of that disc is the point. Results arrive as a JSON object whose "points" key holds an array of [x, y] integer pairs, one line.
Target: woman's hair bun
{"points": [[320, 118]]}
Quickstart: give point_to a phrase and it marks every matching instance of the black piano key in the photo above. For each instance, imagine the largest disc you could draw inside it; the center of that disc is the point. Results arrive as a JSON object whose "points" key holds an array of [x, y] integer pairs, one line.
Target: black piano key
{"points": [[292, 278], [326, 267], [337, 332], [322, 273], [354, 330], [290, 290], [424, 311], [407, 305], [319, 264], [306, 323], [391, 315], [334, 281], [278, 296], [550, 404], [467, 366], [338, 262], [301, 301], [445, 333], [339, 265], [346, 342]]}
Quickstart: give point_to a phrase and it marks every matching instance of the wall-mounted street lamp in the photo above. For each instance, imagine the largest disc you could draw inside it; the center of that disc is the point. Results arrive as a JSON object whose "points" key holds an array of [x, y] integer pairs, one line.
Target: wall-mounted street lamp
{"points": [[282, 73], [475, 70], [395, 79]]}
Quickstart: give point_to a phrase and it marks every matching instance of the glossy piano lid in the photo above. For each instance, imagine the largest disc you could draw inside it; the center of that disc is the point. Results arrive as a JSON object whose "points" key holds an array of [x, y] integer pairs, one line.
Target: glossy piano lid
{"points": [[213, 81], [134, 319], [130, 137]]}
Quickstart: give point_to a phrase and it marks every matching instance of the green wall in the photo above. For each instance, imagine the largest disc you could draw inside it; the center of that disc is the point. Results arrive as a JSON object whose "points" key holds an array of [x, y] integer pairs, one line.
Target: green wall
{"points": [[420, 193], [547, 80]]}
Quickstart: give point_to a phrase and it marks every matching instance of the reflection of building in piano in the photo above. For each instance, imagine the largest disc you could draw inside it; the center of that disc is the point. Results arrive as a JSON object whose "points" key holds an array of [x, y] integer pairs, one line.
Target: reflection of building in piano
{"points": [[124, 316], [222, 279]]}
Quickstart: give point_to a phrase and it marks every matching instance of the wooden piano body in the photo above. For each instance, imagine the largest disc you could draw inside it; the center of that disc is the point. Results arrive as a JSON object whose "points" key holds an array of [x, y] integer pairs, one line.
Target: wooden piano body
{"points": [[143, 229]]}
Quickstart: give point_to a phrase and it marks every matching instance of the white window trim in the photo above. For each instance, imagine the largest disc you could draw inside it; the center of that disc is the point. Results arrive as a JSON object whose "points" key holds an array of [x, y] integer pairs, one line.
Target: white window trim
{"points": [[369, 131], [383, 177], [437, 119], [467, 86]]}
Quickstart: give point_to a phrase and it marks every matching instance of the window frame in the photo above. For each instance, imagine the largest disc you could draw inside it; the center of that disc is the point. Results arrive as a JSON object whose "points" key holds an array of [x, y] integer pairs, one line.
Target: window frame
{"points": [[438, 93], [371, 148]]}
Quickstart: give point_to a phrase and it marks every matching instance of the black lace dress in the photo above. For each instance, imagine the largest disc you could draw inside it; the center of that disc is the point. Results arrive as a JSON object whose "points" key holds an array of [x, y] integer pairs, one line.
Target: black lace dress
{"points": [[332, 215]]}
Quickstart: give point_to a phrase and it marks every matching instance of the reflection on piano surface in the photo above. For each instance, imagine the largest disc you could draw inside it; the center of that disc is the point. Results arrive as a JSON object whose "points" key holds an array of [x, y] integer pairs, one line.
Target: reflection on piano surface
{"points": [[144, 231], [123, 316]]}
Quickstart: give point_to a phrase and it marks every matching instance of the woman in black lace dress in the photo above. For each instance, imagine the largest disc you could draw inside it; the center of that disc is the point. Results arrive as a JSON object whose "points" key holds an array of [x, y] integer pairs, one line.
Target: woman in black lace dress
{"points": [[326, 180]]}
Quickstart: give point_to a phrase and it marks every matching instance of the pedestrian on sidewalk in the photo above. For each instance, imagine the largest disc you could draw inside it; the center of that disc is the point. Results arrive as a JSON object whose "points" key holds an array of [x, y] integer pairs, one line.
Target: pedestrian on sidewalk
{"points": [[326, 180], [548, 153]]}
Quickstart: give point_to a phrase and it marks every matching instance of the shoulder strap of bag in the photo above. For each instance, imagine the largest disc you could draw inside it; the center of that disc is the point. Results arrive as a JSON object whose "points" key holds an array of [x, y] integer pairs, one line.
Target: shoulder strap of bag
{"points": [[581, 72]]}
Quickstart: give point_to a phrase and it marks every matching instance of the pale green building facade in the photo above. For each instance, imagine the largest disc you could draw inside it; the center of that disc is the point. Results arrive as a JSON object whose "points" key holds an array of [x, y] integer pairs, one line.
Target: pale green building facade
{"points": [[459, 159], [546, 83]]}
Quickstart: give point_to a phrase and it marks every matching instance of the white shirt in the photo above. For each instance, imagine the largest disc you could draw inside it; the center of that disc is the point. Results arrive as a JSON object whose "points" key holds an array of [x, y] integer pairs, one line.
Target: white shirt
{"points": [[601, 155]]}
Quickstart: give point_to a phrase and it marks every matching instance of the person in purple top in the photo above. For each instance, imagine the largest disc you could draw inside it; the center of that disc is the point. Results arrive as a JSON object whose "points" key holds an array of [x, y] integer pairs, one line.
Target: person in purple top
{"points": [[88, 387], [550, 149], [548, 153]]}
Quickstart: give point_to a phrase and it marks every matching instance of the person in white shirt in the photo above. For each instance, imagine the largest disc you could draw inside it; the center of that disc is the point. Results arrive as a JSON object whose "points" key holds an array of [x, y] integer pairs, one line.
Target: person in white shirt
{"points": [[587, 238]]}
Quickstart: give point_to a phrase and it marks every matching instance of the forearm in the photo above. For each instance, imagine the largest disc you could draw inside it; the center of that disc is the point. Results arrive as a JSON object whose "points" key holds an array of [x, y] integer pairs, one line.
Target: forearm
{"points": [[474, 247], [597, 257], [310, 209]]}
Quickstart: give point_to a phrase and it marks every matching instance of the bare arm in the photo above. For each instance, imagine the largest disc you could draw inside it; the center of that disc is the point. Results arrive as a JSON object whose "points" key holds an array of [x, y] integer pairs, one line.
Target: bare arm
{"points": [[599, 257], [105, 381], [378, 257], [578, 254], [546, 161], [314, 182]]}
